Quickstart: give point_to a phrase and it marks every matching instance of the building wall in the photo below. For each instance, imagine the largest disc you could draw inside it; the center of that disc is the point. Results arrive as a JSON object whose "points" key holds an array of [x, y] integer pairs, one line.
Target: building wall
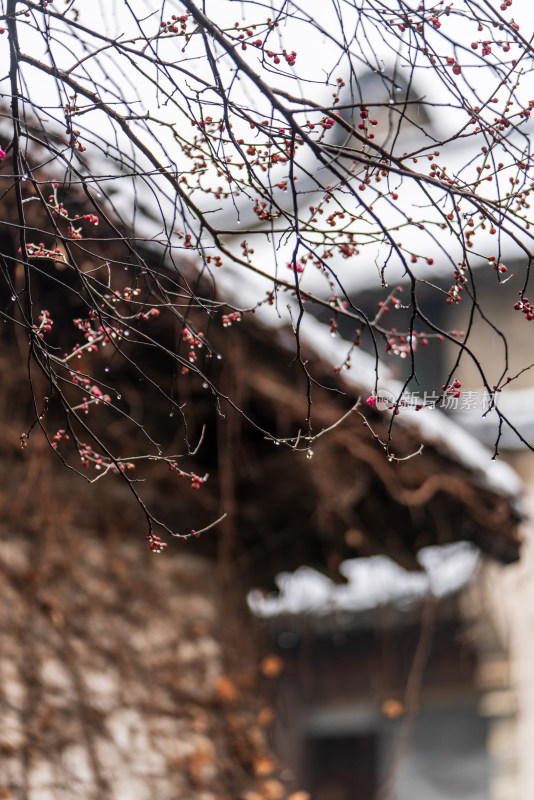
{"points": [[119, 676], [506, 601]]}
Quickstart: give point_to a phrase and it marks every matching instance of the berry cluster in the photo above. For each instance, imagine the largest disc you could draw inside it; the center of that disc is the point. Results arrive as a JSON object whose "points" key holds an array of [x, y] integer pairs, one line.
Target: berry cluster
{"points": [[45, 324], [229, 319], [155, 543], [525, 307], [196, 480]]}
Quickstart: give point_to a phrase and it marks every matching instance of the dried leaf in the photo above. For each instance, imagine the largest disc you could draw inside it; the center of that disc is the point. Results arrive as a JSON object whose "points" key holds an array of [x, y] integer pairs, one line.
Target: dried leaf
{"points": [[271, 666], [225, 689], [392, 708], [266, 717]]}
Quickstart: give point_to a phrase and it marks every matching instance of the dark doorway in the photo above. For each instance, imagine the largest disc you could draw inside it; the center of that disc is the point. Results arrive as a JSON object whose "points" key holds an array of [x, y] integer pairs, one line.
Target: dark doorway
{"points": [[342, 767]]}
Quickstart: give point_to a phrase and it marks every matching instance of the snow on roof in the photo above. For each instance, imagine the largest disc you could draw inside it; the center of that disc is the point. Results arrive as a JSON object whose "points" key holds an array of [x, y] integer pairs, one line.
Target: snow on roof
{"points": [[149, 203], [438, 251], [431, 425], [375, 581], [243, 289], [372, 583], [517, 406]]}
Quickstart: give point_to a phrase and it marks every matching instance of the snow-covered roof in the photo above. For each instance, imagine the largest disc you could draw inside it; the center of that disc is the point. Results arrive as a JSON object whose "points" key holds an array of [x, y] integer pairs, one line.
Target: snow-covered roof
{"points": [[372, 583], [150, 204], [378, 581], [242, 289], [432, 426], [517, 406]]}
